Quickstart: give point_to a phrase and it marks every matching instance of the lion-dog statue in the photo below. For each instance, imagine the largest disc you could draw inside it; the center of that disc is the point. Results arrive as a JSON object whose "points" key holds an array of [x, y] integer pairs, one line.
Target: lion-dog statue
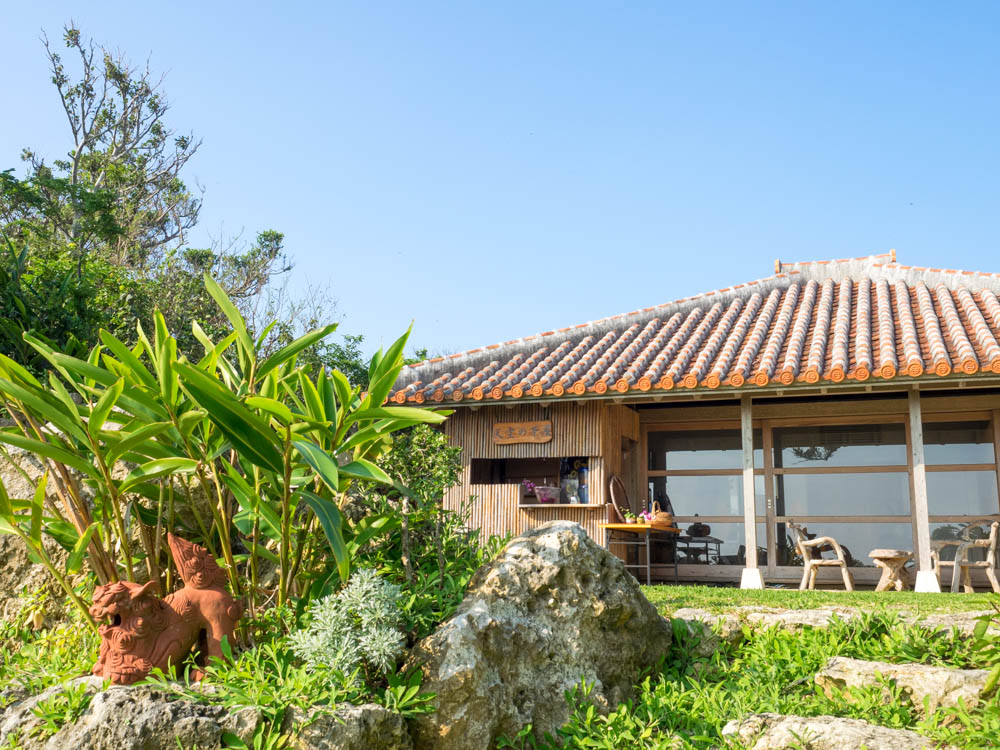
{"points": [[141, 632]]}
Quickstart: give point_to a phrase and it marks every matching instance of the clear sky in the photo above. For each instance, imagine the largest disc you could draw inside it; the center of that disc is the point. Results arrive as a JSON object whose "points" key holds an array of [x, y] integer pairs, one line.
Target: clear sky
{"points": [[491, 170]]}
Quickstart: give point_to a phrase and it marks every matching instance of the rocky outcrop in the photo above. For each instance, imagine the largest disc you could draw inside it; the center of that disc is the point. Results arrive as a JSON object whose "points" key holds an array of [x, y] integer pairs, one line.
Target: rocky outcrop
{"points": [[781, 732], [364, 727], [927, 687], [553, 609], [711, 630], [27, 591], [18, 574], [123, 718]]}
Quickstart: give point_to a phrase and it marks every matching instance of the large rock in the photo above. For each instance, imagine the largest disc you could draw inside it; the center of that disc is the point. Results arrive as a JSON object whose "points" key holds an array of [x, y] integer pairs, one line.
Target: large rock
{"points": [[364, 727], [923, 684], [23, 584], [781, 732], [554, 608], [125, 718]]}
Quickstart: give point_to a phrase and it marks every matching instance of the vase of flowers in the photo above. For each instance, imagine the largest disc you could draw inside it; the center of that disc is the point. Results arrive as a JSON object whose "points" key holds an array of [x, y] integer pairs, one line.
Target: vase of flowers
{"points": [[528, 488]]}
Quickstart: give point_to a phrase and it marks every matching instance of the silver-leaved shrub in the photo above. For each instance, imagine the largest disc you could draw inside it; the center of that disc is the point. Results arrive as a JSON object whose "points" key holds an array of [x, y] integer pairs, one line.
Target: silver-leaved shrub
{"points": [[357, 628]]}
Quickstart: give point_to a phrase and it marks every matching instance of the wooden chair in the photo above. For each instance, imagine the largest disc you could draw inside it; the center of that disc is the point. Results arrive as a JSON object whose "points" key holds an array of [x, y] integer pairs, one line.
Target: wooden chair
{"points": [[619, 500], [961, 565], [811, 550]]}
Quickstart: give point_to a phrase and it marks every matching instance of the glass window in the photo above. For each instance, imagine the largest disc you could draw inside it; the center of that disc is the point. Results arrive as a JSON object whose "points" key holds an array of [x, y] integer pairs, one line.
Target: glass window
{"points": [[879, 494], [856, 539], [706, 496], [958, 442], [700, 449], [962, 493], [840, 445]]}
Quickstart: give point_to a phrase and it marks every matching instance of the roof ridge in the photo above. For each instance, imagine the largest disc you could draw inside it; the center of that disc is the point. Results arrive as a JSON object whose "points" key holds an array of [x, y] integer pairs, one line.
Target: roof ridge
{"points": [[780, 265], [704, 296]]}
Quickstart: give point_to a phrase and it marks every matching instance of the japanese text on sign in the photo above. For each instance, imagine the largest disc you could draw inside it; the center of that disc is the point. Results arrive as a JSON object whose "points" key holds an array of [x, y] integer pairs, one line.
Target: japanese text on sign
{"points": [[506, 433]]}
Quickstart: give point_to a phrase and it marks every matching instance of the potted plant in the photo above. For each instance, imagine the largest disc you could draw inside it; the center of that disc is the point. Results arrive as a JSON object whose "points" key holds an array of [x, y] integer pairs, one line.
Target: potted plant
{"points": [[629, 517], [528, 488]]}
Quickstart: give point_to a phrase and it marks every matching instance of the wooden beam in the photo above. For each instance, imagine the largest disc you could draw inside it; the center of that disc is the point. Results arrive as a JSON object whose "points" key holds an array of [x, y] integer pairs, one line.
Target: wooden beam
{"points": [[751, 578], [926, 580]]}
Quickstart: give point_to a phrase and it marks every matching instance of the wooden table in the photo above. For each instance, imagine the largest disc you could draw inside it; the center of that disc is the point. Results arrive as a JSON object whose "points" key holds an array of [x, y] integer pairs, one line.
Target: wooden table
{"points": [[892, 562], [638, 536]]}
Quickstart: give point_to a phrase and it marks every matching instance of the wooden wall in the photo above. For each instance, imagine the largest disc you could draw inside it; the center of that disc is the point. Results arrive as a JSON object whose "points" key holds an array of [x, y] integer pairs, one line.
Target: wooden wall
{"points": [[592, 429]]}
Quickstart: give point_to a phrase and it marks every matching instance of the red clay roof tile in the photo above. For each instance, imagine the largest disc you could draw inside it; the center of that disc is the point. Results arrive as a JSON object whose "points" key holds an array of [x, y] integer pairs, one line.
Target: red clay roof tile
{"points": [[811, 322]]}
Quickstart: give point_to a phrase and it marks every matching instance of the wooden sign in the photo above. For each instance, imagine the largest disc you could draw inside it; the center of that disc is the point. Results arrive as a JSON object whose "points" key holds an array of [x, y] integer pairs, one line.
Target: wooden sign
{"points": [[508, 433]]}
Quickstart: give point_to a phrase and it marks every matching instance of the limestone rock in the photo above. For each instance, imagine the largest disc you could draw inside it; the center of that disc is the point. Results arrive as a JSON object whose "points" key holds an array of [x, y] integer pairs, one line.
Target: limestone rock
{"points": [[795, 619], [781, 732], [126, 718], [714, 629], [553, 609], [350, 727], [21, 580], [964, 622], [17, 573], [941, 686]]}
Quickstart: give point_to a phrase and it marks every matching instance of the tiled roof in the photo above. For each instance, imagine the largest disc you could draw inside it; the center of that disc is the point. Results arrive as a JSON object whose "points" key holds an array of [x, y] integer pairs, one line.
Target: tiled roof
{"points": [[816, 322]]}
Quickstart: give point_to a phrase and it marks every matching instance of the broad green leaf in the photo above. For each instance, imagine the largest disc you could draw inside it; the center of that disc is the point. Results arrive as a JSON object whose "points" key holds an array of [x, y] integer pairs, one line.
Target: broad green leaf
{"points": [[16, 370], [250, 435], [230, 311], [5, 508], [75, 558], [364, 470], [271, 406], [49, 451], [49, 407], [397, 412], [103, 408], [128, 358], [158, 468], [70, 366], [37, 504], [292, 349], [189, 420], [333, 526], [314, 404], [326, 391], [370, 527], [132, 440], [322, 463]]}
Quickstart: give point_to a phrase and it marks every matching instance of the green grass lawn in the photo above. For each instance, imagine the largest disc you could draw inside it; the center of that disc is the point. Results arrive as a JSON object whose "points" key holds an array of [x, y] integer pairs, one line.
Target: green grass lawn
{"points": [[687, 701], [718, 599]]}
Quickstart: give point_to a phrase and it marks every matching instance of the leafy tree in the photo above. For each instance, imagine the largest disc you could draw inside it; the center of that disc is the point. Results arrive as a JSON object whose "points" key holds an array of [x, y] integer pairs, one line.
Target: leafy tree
{"points": [[117, 212]]}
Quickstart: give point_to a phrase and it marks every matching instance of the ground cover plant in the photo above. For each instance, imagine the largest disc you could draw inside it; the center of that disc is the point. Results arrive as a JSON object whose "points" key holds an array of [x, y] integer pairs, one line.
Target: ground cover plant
{"points": [[687, 700]]}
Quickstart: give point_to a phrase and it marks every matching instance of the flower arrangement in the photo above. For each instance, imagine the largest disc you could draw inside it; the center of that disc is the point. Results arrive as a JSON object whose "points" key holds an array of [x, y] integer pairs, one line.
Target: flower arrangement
{"points": [[646, 516], [528, 486]]}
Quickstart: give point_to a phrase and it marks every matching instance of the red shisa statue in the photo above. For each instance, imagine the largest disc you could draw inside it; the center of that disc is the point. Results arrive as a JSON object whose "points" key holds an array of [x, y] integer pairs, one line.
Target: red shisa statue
{"points": [[141, 631]]}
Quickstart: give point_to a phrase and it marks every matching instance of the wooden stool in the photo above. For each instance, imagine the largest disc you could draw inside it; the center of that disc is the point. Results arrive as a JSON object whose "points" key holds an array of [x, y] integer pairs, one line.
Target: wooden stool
{"points": [[892, 562]]}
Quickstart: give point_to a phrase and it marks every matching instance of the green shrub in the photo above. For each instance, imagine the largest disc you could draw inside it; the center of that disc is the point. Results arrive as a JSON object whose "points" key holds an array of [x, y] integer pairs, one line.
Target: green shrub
{"points": [[355, 629]]}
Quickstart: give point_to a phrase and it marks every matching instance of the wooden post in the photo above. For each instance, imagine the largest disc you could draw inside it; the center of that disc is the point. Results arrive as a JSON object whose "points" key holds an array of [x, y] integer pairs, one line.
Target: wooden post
{"points": [[751, 577], [926, 580]]}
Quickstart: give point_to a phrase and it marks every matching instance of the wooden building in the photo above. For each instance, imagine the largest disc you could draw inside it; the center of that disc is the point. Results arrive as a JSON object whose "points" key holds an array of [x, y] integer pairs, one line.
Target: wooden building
{"points": [[858, 397]]}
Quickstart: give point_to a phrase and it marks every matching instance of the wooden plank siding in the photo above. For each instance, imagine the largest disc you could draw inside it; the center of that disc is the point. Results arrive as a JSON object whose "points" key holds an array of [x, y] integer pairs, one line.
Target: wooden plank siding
{"points": [[595, 430]]}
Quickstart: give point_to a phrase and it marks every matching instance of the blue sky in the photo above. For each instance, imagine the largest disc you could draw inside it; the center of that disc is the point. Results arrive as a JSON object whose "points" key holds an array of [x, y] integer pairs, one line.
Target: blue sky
{"points": [[491, 170]]}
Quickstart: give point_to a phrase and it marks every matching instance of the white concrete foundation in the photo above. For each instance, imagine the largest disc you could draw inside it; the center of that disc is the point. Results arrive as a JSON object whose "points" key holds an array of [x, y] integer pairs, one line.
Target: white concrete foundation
{"points": [[751, 579], [927, 582]]}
